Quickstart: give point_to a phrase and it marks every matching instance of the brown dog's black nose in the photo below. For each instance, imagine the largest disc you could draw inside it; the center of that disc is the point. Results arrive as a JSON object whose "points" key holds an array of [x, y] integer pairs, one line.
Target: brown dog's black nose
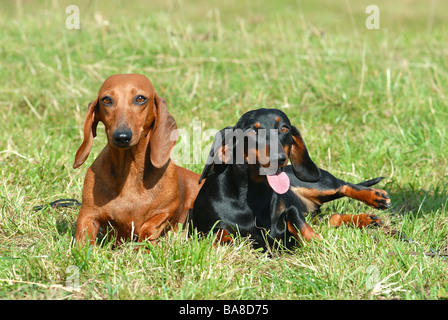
{"points": [[122, 137]]}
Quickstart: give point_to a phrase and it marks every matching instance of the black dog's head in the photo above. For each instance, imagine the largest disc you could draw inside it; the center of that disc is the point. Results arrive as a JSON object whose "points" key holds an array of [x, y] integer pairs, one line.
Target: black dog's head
{"points": [[263, 140]]}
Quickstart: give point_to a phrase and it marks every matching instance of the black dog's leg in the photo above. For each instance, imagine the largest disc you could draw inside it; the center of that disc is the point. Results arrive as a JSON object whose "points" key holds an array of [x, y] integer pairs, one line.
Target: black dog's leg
{"points": [[329, 188], [298, 227]]}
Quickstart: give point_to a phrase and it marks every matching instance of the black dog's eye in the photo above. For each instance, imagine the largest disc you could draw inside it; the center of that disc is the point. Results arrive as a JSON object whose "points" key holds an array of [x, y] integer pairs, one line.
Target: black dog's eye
{"points": [[107, 101], [251, 132], [284, 129], [140, 100]]}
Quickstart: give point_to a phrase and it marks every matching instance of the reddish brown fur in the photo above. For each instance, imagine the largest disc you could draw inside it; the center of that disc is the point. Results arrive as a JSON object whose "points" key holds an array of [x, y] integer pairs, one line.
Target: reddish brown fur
{"points": [[137, 190]]}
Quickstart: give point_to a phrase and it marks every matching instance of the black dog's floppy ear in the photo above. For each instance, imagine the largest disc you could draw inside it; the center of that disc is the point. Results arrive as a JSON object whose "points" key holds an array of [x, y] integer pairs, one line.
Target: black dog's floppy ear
{"points": [[304, 168], [219, 154]]}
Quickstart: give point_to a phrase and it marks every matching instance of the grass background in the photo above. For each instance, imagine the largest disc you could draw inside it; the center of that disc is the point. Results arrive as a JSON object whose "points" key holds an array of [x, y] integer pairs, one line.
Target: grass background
{"points": [[368, 103]]}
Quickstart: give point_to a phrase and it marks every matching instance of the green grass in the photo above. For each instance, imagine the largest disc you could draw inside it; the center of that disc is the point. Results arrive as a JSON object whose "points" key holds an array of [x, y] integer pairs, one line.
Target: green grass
{"points": [[368, 103]]}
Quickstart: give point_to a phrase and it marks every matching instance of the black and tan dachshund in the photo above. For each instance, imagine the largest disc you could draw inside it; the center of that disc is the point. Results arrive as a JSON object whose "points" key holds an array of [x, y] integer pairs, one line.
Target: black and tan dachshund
{"points": [[251, 190]]}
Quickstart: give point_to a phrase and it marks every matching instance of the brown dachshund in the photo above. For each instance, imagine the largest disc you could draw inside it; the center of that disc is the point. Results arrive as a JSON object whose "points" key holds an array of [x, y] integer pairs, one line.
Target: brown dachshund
{"points": [[132, 186]]}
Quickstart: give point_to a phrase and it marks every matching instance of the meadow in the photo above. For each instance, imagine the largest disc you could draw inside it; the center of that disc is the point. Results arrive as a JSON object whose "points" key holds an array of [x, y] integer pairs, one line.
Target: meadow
{"points": [[368, 102]]}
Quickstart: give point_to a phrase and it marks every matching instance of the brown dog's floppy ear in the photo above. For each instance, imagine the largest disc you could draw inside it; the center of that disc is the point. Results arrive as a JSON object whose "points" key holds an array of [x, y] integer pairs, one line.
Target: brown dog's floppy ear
{"points": [[164, 137], [304, 168], [90, 125]]}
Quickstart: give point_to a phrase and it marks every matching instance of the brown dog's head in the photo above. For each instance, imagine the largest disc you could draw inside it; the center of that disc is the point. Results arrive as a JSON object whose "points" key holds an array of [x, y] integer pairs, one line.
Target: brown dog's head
{"points": [[130, 109]]}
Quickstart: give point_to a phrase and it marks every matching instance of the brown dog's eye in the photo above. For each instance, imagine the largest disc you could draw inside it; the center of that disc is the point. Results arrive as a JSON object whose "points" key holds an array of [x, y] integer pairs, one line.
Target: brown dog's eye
{"points": [[107, 101], [284, 129], [140, 99]]}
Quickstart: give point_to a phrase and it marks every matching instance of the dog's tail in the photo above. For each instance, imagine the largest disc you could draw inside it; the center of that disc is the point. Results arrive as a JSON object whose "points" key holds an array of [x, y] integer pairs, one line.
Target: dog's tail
{"points": [[371, 182]]}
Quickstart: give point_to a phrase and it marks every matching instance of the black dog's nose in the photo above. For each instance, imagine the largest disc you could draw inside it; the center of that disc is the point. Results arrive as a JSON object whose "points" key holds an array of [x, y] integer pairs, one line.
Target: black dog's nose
{"points": [[281, 159], [122, 137]]}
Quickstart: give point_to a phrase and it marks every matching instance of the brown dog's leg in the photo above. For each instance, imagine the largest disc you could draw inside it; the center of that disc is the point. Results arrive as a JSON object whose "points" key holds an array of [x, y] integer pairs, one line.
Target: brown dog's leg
{"points": [[153, 228], [86, 229], [360, 221]]}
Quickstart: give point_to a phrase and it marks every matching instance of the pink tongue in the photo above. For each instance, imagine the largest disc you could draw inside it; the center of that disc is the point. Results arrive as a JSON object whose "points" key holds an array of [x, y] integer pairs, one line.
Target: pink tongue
{"points": [[279, 182]]}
